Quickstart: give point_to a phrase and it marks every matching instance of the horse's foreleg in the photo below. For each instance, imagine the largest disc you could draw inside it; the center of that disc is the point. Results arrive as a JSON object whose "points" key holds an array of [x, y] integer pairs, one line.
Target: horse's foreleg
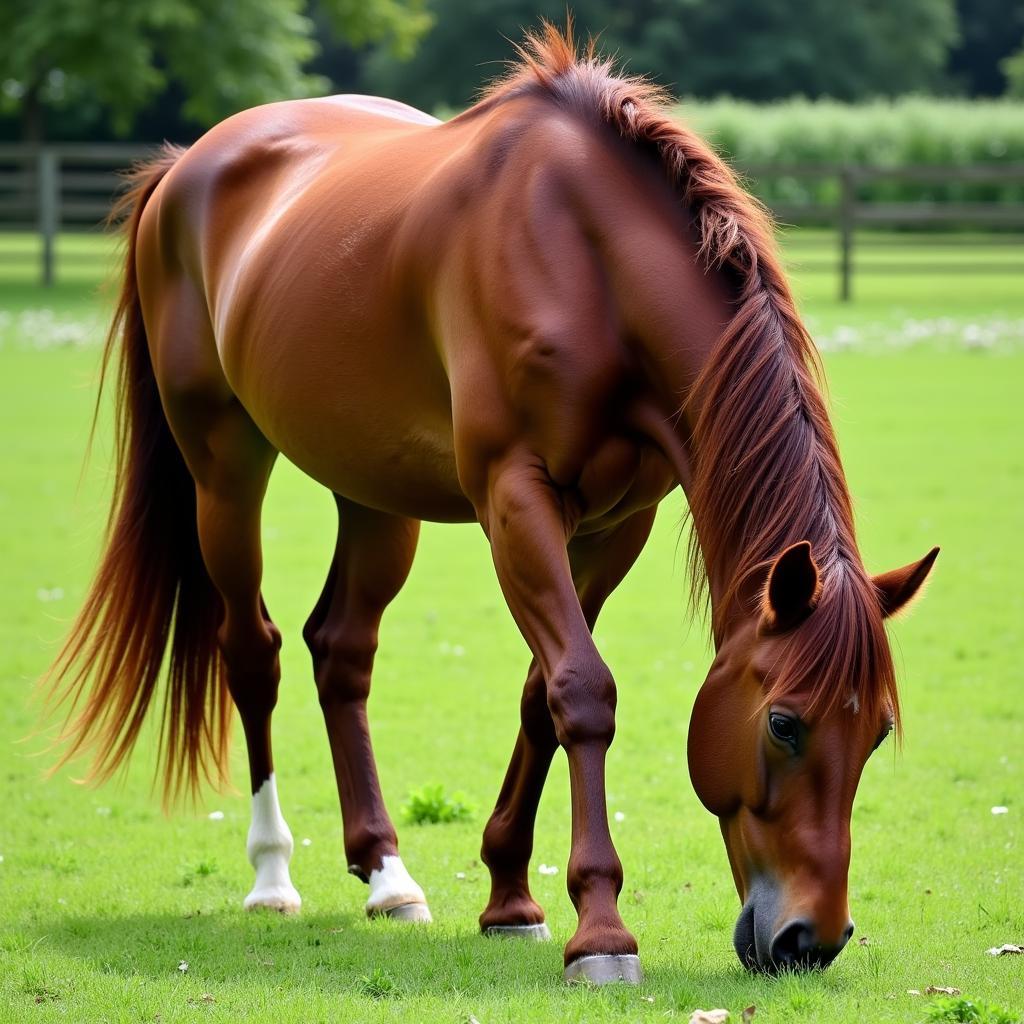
{"points": [[528, 530], [371, 563], [599, 563], [231, 463]]}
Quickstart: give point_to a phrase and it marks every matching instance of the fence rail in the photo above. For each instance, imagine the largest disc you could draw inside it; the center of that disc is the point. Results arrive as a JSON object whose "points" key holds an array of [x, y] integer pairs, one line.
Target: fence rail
{"points": [[71, 186]]}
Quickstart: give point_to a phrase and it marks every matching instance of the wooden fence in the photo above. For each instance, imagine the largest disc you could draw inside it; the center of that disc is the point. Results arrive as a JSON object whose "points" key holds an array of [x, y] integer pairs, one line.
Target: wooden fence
{"points": [[53, 189]]}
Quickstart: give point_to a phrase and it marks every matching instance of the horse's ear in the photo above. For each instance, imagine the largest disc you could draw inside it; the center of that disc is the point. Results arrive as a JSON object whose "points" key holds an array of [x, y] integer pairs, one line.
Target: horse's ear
{"points": [[792, 590], [897, 589]]}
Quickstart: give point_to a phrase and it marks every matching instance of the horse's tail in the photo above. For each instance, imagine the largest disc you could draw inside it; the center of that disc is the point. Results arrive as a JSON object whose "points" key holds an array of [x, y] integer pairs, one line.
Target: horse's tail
{"points": [[151, 590]]}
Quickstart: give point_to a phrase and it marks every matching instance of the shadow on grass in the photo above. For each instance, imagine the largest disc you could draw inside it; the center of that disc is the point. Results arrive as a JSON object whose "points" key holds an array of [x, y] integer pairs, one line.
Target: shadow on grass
{"points": [[337, 952]]}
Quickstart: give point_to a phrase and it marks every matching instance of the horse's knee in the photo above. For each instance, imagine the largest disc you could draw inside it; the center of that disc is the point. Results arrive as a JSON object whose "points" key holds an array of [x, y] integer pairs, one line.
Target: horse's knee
{"points": [[581, 699]]}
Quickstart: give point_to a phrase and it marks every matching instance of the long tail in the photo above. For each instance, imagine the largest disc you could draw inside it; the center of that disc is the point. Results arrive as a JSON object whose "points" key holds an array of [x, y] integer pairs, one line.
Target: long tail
{"points": [[151, 590]]}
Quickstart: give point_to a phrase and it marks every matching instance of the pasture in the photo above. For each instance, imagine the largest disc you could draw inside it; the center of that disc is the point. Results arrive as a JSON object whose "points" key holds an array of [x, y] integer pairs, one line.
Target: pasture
{"points": [[110, 911]]}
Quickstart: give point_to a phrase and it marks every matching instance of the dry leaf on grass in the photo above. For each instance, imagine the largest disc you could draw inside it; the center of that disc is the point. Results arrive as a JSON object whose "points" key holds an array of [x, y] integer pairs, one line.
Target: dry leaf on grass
{"points": [[709, 1016], [941, 990], [748, 1013], [913, 991], [1007, 949]]}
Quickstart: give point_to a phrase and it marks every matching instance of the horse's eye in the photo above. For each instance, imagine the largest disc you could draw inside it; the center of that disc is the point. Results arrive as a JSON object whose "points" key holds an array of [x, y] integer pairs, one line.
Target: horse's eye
{"points": [[881, 739], [784, 728]]}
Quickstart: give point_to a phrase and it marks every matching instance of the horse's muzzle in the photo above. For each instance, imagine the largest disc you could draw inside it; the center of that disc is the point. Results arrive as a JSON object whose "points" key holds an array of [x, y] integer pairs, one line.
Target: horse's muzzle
{"points": [[793, 947]]}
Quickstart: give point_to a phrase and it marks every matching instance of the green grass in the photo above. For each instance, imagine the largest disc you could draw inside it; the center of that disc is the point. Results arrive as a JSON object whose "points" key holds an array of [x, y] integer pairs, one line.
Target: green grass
{"points": [[102, 897]]}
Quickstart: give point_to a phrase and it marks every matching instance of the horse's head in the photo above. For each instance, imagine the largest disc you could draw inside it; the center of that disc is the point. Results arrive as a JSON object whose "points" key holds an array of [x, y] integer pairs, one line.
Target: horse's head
{"points": [[776, 749]]}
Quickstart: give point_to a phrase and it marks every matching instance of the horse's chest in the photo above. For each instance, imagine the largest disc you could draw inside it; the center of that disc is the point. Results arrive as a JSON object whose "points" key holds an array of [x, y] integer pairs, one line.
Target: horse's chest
{"points": [[622, 477]]}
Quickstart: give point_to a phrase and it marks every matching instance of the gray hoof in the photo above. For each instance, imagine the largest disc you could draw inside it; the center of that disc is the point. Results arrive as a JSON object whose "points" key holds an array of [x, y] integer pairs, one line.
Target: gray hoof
{"points": [[415, 912], [605, 969], [530, 932]]}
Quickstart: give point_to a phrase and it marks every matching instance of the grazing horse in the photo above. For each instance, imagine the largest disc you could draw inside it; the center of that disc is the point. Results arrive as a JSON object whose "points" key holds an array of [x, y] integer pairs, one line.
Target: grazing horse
{"points": [[542, 315]]}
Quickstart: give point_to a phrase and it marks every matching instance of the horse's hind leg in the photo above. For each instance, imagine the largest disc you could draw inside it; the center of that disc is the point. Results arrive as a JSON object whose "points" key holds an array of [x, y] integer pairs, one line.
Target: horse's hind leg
{"points": [[599, 564], [371, 563], [231, 462]]}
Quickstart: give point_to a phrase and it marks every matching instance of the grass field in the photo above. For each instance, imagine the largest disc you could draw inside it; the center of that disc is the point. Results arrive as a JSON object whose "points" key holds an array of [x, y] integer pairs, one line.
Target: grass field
{"points": [[102, 897]]}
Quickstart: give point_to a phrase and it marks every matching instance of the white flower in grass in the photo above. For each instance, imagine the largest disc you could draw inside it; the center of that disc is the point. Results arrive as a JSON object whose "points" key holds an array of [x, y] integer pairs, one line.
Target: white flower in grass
{"points": [[216, 815], [1000, 810], [975, 336], [548, 869], [307, 842], [619, 816], [183, 966]]}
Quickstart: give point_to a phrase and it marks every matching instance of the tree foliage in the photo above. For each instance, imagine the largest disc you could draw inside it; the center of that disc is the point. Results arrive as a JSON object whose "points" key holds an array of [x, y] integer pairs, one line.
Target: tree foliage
{"points": [[222, 55], [762, 51], [990, 30], [1013, 68]]}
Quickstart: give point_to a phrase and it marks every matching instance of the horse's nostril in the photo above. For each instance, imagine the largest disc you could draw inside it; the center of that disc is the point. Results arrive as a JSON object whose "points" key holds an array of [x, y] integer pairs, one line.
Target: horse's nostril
{"points": [[797, 947], [792, 945]]}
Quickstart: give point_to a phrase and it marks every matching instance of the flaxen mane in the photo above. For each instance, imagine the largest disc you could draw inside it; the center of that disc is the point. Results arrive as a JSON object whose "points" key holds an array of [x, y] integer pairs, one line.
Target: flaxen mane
{"points": [[766, 467]]}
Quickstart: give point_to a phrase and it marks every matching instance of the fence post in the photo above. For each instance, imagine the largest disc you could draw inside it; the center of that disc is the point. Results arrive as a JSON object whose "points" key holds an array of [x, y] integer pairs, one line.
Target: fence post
{"points": [[49, 209], [847, 199]]}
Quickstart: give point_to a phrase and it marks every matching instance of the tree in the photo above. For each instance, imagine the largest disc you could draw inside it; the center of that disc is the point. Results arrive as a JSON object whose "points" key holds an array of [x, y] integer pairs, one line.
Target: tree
{"points": [[990, 30], [1013, 68], [224, 54], [759, 51]]}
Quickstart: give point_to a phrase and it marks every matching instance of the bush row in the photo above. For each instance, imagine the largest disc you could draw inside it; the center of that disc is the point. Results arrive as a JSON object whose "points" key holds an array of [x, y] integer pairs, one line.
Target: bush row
{"points": [[912, 131]]}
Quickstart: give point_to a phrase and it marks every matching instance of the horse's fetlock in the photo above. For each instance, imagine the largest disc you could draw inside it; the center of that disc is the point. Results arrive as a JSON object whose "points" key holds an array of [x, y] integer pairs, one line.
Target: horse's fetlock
{"points": [[597, 871], [504, 847]]}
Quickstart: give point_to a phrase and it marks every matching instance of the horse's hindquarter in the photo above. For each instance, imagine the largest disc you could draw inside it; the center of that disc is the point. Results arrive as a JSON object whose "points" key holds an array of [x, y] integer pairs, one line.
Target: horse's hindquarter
{"points": [[292, 218]]}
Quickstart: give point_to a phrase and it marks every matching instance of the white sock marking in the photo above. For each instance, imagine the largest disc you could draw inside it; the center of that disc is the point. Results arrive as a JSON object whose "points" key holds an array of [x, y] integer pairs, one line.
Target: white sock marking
{"points": [[269, 847], [391, 886]]}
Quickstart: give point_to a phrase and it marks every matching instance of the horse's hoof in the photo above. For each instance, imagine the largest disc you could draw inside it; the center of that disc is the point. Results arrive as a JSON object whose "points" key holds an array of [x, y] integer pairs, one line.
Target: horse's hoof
{"points": [[418, 913], [283, 900], [605, 970], [530, 932]]}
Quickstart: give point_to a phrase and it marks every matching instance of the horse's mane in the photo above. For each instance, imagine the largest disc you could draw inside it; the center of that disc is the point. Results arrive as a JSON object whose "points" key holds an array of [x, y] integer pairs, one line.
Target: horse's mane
{"points": [[766, 467]]}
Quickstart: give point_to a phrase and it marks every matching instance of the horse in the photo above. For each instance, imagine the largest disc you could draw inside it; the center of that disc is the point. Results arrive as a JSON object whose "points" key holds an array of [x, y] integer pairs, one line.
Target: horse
{"points": [[543, 316]]}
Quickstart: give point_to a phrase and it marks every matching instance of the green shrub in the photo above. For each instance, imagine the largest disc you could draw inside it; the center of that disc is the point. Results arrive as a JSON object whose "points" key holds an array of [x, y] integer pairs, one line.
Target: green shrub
{"points": [[378, 985], [912, 131], [956, 1010], [431, 805]]}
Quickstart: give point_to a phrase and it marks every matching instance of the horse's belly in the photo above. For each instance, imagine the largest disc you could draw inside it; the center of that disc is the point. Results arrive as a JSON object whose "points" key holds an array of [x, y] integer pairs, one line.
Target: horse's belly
{"points": [[409, 472], [368, 432]]}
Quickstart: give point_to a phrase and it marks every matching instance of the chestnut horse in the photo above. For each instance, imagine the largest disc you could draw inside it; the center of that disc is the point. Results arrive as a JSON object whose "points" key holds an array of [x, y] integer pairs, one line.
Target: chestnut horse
{"points": [[542, 315]]}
